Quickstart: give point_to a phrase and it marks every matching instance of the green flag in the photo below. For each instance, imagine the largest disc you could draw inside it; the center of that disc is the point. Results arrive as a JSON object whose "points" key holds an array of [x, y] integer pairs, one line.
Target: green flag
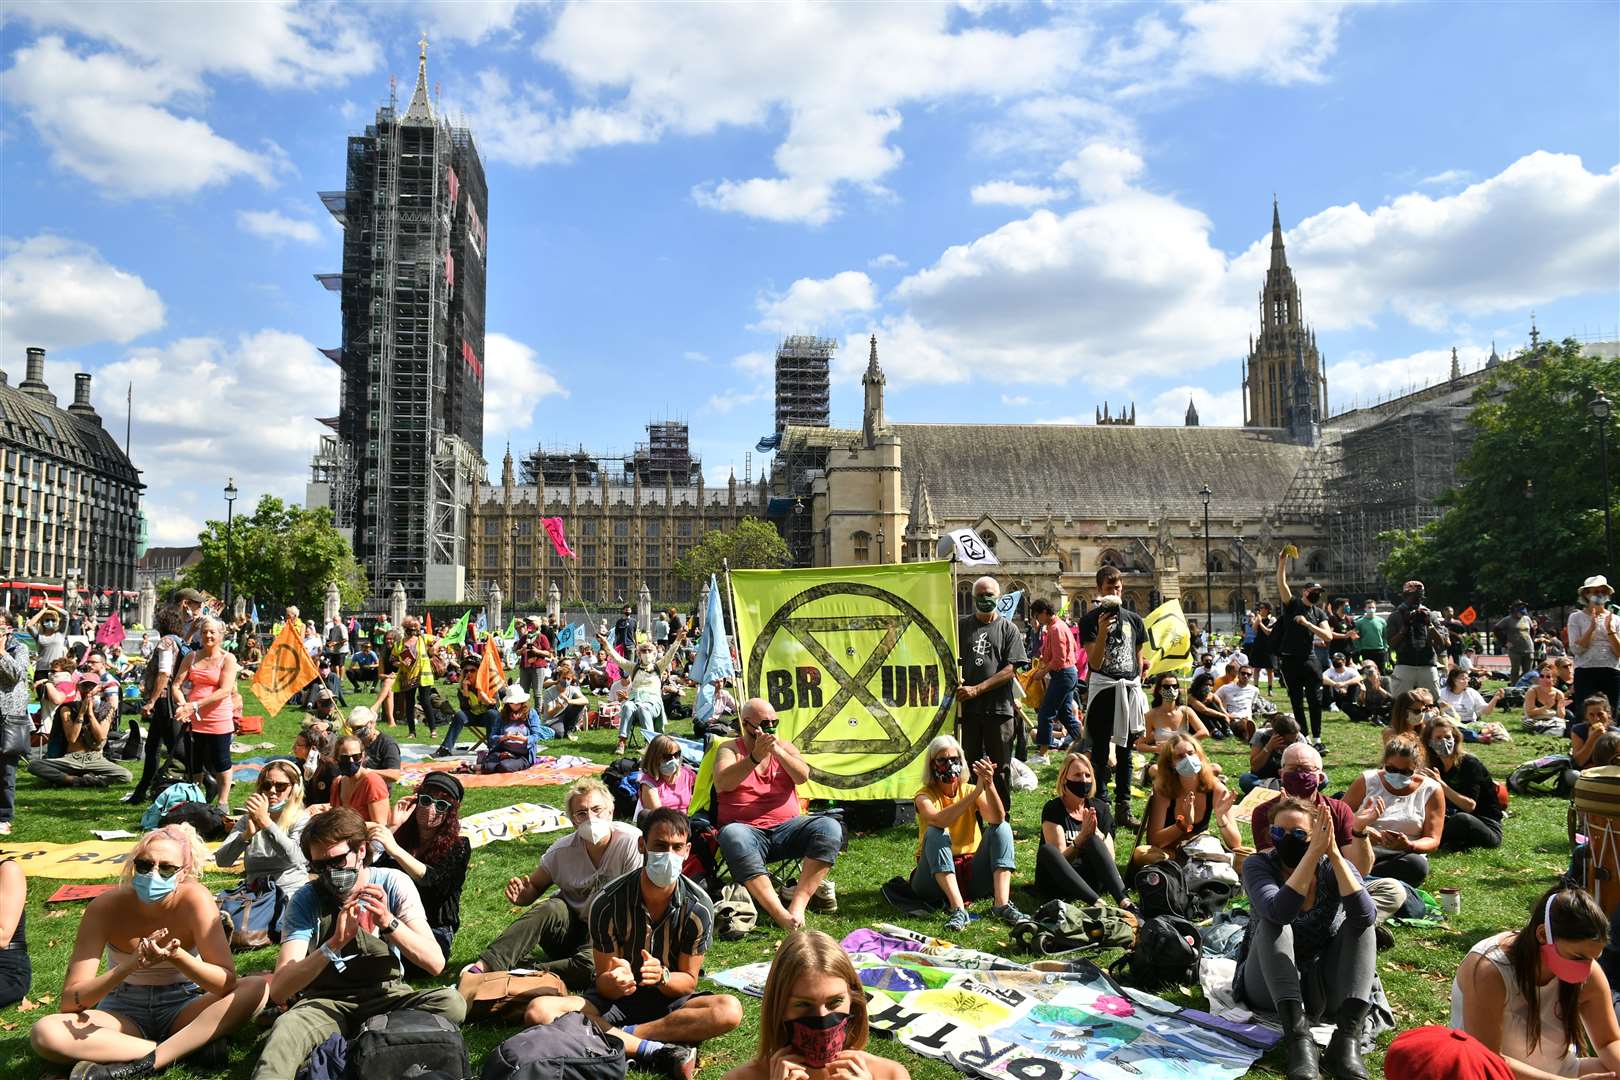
{"points": [[457, 634], [511, 627]]}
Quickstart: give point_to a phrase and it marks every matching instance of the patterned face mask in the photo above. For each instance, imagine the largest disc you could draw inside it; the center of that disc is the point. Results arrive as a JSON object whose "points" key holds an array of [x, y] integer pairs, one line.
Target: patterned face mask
{"points": [[818, 1039]]}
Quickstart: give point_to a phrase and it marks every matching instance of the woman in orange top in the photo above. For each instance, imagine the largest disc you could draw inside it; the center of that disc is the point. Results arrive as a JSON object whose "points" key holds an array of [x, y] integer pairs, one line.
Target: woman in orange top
{"points": [[208, 708], [357, 787]]}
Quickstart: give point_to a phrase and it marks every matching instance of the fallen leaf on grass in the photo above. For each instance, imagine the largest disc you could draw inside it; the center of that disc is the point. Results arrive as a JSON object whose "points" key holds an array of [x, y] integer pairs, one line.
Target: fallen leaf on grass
{"points": [[46, 999], [27, 1006], [56, 913]]}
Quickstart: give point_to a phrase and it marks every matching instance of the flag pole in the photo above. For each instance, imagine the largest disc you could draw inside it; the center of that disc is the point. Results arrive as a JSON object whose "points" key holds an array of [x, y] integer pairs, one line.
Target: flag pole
{"points": [[731, 598]]}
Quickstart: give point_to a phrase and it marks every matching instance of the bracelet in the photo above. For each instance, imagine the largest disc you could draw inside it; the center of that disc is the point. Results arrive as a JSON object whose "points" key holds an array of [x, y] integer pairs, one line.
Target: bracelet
{"points": [[1362, 835]]}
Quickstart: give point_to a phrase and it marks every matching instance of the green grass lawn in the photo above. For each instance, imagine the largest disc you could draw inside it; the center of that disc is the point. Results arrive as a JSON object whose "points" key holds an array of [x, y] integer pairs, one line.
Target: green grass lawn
{"points": [[1497, 889]]}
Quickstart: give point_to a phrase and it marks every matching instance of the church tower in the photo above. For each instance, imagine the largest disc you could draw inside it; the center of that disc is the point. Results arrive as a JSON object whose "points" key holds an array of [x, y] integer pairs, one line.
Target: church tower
{"points": [[1285, 344]]}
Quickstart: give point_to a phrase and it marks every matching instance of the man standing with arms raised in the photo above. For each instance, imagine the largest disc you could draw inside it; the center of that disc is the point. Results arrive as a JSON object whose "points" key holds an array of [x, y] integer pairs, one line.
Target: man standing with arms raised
{"points": [[1415, 633], [1115, 704], [991, 648]]}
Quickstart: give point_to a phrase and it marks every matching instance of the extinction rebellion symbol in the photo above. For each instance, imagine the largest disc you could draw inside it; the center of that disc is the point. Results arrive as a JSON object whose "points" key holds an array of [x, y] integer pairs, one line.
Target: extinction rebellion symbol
{"points": [[284, 667], [921, 685]]}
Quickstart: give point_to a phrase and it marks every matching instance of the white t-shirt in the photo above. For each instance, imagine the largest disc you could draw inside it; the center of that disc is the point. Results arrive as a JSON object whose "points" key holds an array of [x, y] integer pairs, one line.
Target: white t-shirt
{"points": [[1467, 703], [577, 879], [1341, 677], [1238, 701], [1599, 652]]}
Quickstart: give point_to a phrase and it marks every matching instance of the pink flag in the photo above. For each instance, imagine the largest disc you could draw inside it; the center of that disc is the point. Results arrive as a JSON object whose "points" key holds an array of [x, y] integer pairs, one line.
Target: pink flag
{"points": [[554, 529], [111, 631]]}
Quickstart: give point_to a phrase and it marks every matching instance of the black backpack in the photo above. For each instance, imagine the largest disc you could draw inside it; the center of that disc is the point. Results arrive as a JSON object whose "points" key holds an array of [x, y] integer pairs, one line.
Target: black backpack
{"points": [[208, 818], [568, 1048], [1161, 889], [623, 780], [407, 1043], [1166, 954]]}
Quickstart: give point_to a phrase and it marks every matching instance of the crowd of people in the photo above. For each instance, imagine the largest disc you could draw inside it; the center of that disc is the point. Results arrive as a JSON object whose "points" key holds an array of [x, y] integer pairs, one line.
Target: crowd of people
{"points": [[367, 890]]}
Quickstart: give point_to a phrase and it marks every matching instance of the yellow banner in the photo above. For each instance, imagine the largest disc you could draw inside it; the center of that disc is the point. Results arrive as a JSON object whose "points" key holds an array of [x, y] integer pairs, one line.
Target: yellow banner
{"points": [[1169, 641], [285, 670], [860, 664], [72, 862]]}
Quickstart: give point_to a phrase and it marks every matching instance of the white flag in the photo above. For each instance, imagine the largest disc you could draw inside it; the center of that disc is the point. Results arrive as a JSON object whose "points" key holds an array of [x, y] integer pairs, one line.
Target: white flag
{"points": [[971, 550]]}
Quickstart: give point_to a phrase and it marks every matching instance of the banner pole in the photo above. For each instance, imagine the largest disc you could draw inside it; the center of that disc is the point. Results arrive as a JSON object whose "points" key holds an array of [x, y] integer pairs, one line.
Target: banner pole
{"points": [[731, 597]]}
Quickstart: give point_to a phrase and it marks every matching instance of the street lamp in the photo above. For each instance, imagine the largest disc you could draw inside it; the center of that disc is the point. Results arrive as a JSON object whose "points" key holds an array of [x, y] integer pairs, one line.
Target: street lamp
{"points": [[230, 539], [880, 538], [1209, 587], [1243, 598], [1600, 411]]}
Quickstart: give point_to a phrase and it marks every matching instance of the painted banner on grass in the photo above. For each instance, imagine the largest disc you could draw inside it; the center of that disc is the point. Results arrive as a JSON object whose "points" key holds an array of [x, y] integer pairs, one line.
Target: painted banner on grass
{"points": [[87, 859], [859, 663], [991, 1017]]}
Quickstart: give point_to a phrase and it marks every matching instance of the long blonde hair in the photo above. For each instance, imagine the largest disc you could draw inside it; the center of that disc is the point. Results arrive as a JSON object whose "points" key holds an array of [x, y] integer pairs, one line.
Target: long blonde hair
{"points": [[1166, 781], [295, 798], [193, 852], [808, 952]]}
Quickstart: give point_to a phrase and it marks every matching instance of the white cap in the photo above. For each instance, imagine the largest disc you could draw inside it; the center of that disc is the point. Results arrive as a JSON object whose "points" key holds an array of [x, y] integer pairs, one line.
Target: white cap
{"points": [[514, 695]]}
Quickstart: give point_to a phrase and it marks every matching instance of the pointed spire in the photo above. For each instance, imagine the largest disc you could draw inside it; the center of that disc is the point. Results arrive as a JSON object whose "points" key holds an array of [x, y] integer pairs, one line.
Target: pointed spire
{"points": [[1279, 258], [506, 467], [1493, 360], [872, 369], [1535, 335], [1456, 367], [421, 107], [921, 521], [1192, 413]]}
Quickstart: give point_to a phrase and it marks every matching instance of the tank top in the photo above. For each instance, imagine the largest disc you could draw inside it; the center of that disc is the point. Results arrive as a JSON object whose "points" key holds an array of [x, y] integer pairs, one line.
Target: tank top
{"points": [[218, 718], [160, 974], [1550, 1054], [763, 800], [1402, 813]]}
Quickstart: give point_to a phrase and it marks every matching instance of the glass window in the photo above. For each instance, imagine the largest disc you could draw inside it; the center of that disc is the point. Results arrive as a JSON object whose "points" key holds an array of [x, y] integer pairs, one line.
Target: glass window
{"points": [[587, 554], [621, 555], [492, 526], [587, 527], [862, 541], [525, 555], [654, 558], [653, 529], [684, 528], [492, 554], [621, 528]]}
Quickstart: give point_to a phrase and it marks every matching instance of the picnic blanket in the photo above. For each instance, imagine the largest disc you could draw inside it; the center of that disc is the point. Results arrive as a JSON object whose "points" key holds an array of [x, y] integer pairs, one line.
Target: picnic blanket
{"points": [[986, 1015], [545, 772]]}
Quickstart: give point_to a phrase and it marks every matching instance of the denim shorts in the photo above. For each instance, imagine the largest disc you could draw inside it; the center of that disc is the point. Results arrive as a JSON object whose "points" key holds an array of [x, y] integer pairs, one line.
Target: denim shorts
{"points": [[153, 1009]]}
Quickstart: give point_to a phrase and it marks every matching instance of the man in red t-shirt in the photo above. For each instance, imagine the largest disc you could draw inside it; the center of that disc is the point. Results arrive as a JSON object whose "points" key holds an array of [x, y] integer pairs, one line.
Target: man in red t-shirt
{"points": [[534, 649], [756, 780]]}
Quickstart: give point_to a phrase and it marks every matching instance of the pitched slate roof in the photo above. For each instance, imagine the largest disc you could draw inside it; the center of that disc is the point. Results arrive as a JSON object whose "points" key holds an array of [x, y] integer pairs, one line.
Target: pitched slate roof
{"points": [[32, 424]]}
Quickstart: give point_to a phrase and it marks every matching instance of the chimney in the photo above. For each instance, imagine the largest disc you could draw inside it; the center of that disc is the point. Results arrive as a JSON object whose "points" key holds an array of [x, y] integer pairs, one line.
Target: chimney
{"points": [[81, 398], [34, 381]]}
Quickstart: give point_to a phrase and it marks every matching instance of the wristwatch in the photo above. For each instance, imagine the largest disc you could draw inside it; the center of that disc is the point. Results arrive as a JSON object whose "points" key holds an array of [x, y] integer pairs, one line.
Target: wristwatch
{"points": [[388, 931], [663, 977]]}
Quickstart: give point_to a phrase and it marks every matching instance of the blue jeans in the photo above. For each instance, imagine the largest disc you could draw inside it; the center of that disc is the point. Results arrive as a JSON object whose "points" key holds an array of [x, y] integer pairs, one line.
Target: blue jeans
{"points": [[995, 853], [463, 720], [1060, 686], [808, 836], [646, 716]]}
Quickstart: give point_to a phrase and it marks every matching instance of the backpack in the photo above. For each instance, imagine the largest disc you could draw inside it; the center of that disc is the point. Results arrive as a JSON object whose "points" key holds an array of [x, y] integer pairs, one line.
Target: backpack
{"points": [[1533, 777], [623, 779], [1166, 954], [170, 794], [407, 1042], [1161, 889], [1059, 926], [208, 818], [568, 1048]]}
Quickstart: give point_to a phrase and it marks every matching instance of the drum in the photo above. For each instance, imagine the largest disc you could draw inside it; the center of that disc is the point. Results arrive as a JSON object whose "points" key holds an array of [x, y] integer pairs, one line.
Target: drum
{"points": [[1597, 812]]}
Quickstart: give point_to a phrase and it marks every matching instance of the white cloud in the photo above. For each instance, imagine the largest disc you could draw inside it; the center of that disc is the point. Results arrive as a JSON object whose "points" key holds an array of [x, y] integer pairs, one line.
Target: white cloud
{"points": [[1102, 171], [119, 117], [248, 413], [693, 69], [1014, 400], [812, 305], [1012, 193], [755, 363], [515, 382], [1216, 408], [1446, 178], [1541, 229], [1280, 43], [465, 20], [886, 261], [1360, 380], [276, 226], [727, 400], [60, 293]]}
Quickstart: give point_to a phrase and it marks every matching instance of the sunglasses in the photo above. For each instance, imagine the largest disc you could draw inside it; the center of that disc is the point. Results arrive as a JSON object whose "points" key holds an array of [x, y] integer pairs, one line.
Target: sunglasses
{"points": [[146, 866], [443, 806], [277, 789], [1278, 834], [336, 862], [1169, 686], [350, 759]]}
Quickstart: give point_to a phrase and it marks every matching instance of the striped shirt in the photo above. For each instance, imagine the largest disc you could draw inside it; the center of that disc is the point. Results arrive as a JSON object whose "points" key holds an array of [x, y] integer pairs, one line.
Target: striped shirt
{"points": [[620, 925]]}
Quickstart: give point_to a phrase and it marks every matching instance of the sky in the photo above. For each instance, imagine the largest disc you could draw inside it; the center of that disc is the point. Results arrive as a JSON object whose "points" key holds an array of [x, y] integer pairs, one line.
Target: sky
{"points": [[1036, 208]]}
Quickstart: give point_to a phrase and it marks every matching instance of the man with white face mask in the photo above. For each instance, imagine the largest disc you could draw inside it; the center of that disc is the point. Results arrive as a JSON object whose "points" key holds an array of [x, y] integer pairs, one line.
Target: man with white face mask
{"points": [[598, 851]]}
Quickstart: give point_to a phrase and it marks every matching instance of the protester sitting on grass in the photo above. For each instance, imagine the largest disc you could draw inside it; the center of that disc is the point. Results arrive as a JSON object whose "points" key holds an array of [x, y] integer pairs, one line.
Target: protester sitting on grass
{"points": [[1266, 751], [1407, 714], [84, 727], [649, 932], [16, 972], [1594, 722], [345, 941], [1167, 718], [598, 851], [170, 988], [1187, 797], [1469, 704], [1413, 818], [516, 734], [948, 835], [426, 843], [362, 667], [1076, 858], [1309, 949], [1372, 703], [1473, 811], [381, 748], [813, 1018], [1207, 707], [1534, 995], [756, 780], [267, 832], [324, 711], [312, 749], [643, 710], [666, 779], [209, 707], [1544, 700], [357, 787], [1239, 698]]}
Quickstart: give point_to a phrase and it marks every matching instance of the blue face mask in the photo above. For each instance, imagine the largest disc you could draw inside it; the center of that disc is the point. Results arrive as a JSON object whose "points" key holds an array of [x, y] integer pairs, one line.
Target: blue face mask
{"points": [[276, 807], [154, 886]]}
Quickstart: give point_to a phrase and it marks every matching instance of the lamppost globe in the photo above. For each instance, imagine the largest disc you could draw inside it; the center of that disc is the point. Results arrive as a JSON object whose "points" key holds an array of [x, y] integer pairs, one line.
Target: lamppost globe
{"points": [[1600, 406], [230, 553]]}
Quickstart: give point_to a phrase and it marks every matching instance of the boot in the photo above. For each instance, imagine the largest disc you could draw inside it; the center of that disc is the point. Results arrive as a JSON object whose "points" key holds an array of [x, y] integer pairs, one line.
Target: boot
{"points": [[86, 1070], [1298, 1045], [1123, 818], [1343, 1058]]}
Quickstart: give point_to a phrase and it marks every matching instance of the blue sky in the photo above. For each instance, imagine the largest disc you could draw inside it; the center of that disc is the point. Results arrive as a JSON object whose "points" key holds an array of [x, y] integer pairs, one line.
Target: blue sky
{"points": [[1036, 208]]}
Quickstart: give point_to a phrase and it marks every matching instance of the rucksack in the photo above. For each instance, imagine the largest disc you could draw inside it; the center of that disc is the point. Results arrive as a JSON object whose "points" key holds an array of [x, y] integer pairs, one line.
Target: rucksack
{"points": [[1161, 889], [170, 795], [1543, 776], [1059, 926], [569, 1048], [208, 818], [408, 1042], [1166, 954], [623, 780]]}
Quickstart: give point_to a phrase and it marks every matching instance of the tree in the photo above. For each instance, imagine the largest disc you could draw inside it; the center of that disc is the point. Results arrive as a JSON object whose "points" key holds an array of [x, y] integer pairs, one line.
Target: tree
{"points": [[753, 545], [1526, 521], [280, 555]]}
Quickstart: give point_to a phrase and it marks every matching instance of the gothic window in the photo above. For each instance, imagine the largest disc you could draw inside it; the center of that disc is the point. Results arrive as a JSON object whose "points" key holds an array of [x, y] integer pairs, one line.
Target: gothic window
{"points": [[587, 554], [526, 527], [654, 557], [621, 555], [862, 541], [1316, 564], [492, 554], [621, 588], [492, 527], [621, 528], [1133, 601], [524, 589], [1110, 557], [1217, 565], [683, 529], [989, 539], [524, 556], [964, 598], [653, 530], [587, 528]]}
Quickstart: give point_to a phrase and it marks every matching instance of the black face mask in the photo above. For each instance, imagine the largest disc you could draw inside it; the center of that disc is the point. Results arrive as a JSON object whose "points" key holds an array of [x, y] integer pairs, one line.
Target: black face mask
{"points": [[1080, 789], [1313, 598], [1291, 849]]}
